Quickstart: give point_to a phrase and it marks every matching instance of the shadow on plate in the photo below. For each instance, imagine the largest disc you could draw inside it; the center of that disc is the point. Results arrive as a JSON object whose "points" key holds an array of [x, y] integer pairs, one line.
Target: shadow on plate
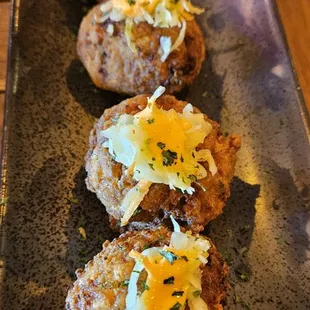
{"points": [[87, 214], [232, 231], [92, 99]]}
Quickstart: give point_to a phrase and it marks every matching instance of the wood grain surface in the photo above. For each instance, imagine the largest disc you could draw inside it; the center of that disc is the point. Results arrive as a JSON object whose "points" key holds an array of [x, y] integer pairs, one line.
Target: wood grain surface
{"points": [[295, 15], [4, 26]]}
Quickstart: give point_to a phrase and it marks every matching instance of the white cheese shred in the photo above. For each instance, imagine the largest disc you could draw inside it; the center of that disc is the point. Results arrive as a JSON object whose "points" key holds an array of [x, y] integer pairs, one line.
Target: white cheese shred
{"points": [[132, 200], [157, 93], [158, 13], [128, 34], [147, 143], [179, 242], [165, 44]]}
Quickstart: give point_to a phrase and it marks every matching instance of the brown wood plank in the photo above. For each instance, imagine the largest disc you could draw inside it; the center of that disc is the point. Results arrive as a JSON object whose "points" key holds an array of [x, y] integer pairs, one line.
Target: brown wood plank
{"points": [[4, 27], [295, 15]]}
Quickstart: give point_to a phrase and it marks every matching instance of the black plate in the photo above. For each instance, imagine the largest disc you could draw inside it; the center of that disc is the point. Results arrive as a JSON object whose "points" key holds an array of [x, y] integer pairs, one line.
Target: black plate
{"points": [[247, 83]]}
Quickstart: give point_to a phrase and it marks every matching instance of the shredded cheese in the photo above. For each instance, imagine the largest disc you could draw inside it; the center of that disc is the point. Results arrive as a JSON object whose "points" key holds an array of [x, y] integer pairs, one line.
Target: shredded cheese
{"points": [[174, 275], [159, 146], [159, 13]]}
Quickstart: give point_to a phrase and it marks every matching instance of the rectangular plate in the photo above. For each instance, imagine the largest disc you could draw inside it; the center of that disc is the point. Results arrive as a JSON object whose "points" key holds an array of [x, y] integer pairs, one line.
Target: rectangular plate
{"points": [[247, 83]]}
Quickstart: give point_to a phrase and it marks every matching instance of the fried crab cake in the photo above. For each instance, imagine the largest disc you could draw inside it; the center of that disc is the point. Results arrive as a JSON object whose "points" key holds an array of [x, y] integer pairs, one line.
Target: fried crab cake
{"points": [[150, 159], [124, 275], [143, 62]]}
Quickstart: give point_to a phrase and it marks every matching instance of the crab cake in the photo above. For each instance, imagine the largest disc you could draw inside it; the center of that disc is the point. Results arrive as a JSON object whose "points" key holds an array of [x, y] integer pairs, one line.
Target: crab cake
{"points": [[154, 157], [130, 50], [141, 268]]}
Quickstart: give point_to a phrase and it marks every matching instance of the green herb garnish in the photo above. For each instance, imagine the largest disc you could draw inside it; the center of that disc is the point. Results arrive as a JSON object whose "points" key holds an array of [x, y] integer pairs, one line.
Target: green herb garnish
{"points": [[151, 166], [193, 178], [125, 283], [161, 145], [169, 280], [150, 121], [131, 2], [137, 211], [196, 293], [178, 293], [169, 256], [184, 257], [145, 286], [177, 306], [169, 157]]}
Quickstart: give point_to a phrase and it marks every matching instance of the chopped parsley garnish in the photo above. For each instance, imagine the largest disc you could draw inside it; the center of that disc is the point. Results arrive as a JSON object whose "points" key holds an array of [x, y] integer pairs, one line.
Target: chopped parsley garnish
{"points": [[178, 293], [131, 2], [161, 145], [182, 159], [153, 158], [147, 246], [184, 257], [151, 166], [169, 256], [193, 178], [177, 306], [169, 280], [150, 121], [179, 190], [125, 283], [196, 293], [136, 271], [169, 157], [145, 286], [137, 211]]}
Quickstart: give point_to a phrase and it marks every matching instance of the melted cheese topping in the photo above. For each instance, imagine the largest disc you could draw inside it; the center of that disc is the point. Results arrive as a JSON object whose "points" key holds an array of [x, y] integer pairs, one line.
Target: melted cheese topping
{"points": [[174, 275], [159, 146], [159, 13]]}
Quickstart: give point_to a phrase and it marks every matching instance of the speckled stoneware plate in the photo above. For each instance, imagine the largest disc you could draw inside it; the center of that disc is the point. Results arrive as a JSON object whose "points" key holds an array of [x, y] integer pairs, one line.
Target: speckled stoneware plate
{"points": [[247, 83]]}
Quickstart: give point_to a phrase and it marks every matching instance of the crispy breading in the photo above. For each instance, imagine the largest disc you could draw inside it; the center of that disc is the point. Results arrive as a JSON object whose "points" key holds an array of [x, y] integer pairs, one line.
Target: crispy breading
{"points": [[113, 66], [103, 281], [107, 178]]}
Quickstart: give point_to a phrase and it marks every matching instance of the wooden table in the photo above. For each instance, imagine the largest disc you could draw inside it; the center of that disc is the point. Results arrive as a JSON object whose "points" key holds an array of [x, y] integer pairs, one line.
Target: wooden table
{"points": [[295, 15]]}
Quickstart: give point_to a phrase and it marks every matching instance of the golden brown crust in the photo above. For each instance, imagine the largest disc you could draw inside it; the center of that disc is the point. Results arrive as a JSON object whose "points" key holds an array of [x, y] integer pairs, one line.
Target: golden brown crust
{"points": [[109, 181], [113, 66], [102, 280]]}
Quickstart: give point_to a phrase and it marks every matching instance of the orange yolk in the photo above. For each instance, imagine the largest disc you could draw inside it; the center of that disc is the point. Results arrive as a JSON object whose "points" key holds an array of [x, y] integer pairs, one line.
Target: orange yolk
{"points": [[168, 283], [165, 132]]}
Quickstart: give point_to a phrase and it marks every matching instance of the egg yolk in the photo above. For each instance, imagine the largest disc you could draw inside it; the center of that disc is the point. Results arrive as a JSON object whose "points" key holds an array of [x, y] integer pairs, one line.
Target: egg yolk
{"points": [[165, 139], [167, 283]]}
